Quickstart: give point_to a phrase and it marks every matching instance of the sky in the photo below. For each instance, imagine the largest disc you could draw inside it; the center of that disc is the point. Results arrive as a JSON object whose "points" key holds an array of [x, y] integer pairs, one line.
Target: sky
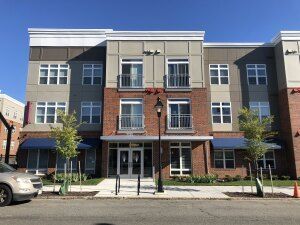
{"points": [[222, 20]]}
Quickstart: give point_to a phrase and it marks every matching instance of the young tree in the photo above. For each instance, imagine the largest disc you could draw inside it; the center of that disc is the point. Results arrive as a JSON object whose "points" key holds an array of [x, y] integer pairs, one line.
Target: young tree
{"points": [[255, 132], [66, 137]]}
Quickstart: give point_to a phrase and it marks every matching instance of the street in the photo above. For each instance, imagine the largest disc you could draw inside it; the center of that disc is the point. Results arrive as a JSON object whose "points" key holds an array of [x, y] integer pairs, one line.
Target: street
{"points": [[141, 211]]}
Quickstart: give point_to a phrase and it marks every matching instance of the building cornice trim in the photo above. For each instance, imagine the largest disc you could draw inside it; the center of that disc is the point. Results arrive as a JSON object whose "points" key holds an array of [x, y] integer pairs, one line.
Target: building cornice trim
{"points": [[4, 96], [286, 36], [237, 44]]}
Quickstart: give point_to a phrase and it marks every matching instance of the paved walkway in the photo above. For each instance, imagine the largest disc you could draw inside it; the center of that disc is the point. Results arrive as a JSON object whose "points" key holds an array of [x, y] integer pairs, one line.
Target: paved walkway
{"points": [[128, 189]]}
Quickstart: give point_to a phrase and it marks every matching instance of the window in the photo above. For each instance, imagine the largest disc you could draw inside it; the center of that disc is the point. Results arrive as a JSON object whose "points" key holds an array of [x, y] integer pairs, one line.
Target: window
{"points": [[221, 112], [54, 73], [267, 159], [15, 115], [219, 73], [46, 112], [132, 66], [4, 144], [179, 114], [37, 160], [261, 108], [90, 161], [92, 74], [7, 111], [131, 114], [178, 67], [180, 157], [60, 163], [257, 74], [224, 159], [90, 112]]}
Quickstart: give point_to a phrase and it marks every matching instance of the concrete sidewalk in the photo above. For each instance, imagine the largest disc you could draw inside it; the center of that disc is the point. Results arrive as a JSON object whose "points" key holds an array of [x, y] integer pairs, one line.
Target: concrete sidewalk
{"points": [[128, 189]]}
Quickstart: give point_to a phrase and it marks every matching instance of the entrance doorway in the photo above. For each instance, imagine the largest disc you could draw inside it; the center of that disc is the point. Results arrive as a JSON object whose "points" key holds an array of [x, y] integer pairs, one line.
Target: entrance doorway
{"points": [[130, 162]]}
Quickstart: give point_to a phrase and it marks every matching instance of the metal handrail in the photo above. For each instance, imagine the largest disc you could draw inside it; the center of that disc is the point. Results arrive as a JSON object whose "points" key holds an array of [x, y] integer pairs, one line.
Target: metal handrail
{"points": [[178, 81], [131, 81], [131, 122], [118, 184], [138, 184], [182, 121]]}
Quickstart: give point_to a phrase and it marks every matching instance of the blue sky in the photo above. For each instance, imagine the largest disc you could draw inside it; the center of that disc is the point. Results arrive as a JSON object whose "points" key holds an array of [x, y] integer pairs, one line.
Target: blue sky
{"points": [[223, 20]]}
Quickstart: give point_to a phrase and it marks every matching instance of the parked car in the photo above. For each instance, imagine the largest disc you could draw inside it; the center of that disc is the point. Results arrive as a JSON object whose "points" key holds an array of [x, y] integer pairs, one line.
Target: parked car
{"points": [[16, 186]]}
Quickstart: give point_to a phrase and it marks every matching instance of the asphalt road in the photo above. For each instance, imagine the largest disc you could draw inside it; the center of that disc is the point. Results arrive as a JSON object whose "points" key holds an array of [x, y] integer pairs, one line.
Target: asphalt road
{"points": [[107, 212]]}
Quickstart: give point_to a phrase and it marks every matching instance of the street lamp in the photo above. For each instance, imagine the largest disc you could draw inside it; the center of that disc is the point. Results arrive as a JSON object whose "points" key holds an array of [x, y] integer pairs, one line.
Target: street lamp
{"points": [[158, 108]]}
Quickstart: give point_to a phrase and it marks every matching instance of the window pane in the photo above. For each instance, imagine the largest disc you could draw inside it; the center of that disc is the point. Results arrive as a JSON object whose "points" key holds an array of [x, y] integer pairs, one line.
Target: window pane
{"points": [[219, 164], [87, 72], [226, 119], [53, 80], [213, 73], [126, 68], [269, 155], [43, 80], [97, 80], [252, 80], [95, 119], [224, 73], [229, 154], [87, 80], [216, 119], [251, 72], [216, 110], [226, 111], [214, 80], [229, 164], [40, 119], [44, 72], [261, 72], [218, 155], [224, 80], [175, 158], [98, 72], [43, 160], [63, 80], [186, 158], [40, 110], [32, 159], [50, 119], [96, 111], [260, 163], [271, 163], [262, 80], [85, 119]]}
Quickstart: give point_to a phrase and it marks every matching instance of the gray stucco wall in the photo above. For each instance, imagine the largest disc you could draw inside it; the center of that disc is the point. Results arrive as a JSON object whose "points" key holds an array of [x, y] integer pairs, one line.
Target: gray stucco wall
{"points": [[154, 66], [238, 92]]}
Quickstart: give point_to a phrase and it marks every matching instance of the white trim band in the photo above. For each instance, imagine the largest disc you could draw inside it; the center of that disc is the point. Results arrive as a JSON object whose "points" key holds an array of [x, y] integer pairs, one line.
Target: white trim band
{"points": [[154, 138]]}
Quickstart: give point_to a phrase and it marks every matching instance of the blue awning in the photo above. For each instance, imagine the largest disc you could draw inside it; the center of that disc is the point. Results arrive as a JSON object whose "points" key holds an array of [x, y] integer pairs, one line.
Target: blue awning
{"points": [[49, 143], [240, 143]]}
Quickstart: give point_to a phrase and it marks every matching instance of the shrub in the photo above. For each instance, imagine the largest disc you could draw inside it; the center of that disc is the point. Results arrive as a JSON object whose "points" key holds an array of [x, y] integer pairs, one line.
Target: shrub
{"points": [[228, 178], [285, 177], [298, 178], [247, 178], [209, 178], [237, 178], [275, 177], [74, 177]]}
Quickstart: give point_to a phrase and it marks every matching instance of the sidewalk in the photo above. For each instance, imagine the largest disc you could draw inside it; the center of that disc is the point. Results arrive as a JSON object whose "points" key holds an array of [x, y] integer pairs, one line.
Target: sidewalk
{"points": [[128, 189]]}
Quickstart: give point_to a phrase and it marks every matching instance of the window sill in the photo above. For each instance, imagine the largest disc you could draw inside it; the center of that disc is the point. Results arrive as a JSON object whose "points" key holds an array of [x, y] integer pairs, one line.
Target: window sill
{"points": [[131, 89], [141, 131], [183, 131], [178, 89], [224, 169]]}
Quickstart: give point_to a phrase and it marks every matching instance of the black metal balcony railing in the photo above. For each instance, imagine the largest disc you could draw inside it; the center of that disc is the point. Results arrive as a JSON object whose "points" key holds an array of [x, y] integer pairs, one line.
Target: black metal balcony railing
{"points": [[131, 122], [178, 81], [131, 81], [180, 122]]}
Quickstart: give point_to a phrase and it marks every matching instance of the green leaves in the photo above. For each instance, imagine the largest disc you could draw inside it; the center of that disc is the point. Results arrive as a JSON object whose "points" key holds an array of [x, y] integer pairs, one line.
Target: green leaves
{"points": [[66, 136], [255, 131]]}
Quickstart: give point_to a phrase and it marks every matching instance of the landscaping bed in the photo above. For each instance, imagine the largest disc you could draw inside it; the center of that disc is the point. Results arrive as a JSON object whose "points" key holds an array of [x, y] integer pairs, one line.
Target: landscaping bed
{"points": [[93, 181], [50, 194], [253, 195]]}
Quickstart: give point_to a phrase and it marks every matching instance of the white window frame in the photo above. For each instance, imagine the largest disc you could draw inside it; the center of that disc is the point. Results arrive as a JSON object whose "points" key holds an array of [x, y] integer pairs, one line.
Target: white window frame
{"points": [[180, 61], [256, 73], [263, 159], [62, 169], [91, 105], [45, 114], [221, 112], [181, 170], [93, 73], [90, 169], [59, 67], [7, 112], [257, 106], [15, 115], [38, 161], [131, 101], [219, 68], [224, 158]]}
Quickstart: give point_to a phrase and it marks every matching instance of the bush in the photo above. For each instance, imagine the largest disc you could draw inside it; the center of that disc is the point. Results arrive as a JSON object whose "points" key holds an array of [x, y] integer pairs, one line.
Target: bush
{"points": [[209, 178], [298, 178], [74, 178], [275, 177], [237, 178], [247, 178], [228, 178], [285, 177]]}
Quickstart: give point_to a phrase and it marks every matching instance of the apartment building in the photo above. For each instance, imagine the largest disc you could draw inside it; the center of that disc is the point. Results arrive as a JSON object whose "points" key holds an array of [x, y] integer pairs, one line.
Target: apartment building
{"points": [[112, 79], [13, 112]]}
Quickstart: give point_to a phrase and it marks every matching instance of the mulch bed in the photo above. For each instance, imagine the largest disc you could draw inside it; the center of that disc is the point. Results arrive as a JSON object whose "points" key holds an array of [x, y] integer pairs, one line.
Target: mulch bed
{"points": [[49, 194], [253, 195]]}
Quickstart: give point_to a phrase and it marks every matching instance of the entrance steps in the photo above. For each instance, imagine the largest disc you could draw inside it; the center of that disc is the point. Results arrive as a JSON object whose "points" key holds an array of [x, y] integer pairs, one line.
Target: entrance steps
{"points": [[128, 188]]}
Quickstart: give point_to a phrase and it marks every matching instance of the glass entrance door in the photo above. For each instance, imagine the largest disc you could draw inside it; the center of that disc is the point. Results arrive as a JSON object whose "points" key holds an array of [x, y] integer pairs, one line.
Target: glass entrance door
{"points": [[130, 163]]}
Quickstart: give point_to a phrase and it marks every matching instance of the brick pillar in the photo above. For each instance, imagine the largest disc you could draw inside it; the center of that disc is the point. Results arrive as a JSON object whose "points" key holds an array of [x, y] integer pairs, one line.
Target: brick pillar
{"points": [[104, 170], [198, 158]]}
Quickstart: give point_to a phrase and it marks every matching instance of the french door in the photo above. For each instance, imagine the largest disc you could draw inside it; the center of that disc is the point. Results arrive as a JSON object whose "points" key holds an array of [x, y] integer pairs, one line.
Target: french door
{"points": [[130, 163]]}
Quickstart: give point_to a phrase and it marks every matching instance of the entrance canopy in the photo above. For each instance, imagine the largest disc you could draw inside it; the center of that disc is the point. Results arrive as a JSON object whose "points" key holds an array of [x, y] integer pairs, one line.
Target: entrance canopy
{"points": [[49, 143], [240, 143], [154, 138]]}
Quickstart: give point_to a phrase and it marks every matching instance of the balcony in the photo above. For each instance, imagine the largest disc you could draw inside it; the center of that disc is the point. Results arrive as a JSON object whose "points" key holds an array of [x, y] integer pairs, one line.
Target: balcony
{"points": [[128, 81], [182, 81], [131, 122], [180, 122]]}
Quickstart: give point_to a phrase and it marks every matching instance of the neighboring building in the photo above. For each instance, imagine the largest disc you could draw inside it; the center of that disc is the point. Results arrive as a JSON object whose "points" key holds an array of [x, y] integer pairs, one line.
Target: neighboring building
{"points": [[13, 112], [112, 80]]}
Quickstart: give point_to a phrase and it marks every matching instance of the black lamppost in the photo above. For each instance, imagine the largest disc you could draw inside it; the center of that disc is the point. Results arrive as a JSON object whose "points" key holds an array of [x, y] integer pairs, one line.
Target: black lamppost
{"points": [[158, 108]]}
